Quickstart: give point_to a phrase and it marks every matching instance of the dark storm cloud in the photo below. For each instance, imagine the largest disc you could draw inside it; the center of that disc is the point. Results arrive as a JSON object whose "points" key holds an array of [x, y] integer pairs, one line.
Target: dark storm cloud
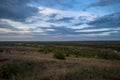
{"points": [[107, 21], [104, 3], [16, 9]]}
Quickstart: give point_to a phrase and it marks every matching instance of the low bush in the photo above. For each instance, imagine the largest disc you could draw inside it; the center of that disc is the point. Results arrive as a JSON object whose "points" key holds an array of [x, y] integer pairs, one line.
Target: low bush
{"points": [[59, 55]]}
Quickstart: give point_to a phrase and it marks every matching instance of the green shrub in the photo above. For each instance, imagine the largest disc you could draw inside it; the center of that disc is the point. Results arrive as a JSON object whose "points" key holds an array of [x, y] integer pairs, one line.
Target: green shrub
{"points": [[59, 55]]}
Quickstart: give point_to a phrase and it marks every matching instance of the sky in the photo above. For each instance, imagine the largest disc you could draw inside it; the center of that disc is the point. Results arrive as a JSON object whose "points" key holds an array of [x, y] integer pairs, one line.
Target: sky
{"points": [[59, 20]]}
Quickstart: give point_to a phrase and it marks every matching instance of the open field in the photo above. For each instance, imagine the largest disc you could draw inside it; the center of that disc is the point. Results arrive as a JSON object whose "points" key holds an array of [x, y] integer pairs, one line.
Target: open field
{"points": [[93, 60]]}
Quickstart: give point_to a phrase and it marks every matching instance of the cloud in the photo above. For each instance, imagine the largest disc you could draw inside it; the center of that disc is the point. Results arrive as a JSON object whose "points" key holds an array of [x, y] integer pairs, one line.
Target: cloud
{"points": [[81, 26], [66, 19], [16, 37], [63, 4], [47, 11], [101, 3], [61, 20], [83, 20], [52, 15], [66, 3], [62, 16], [99, 30], [46, 20], [65, 31], [15, 24], [102, 34], [16, 10], [58, 30], [107, 21], [67, 13], [7, 28]]}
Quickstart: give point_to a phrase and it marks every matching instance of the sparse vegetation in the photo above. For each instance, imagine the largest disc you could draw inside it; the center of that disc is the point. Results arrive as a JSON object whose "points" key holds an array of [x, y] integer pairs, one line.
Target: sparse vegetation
{"points": [[77, 61], [87, 52]]}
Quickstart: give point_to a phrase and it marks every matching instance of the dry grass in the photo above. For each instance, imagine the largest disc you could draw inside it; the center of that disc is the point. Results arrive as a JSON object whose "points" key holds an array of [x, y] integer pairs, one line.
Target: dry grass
{"points": [[26, 63]]}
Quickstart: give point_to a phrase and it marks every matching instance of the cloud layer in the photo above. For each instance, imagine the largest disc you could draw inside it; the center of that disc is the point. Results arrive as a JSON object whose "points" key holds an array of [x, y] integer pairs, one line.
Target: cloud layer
{"points": [[101, 3], [46, 20]]}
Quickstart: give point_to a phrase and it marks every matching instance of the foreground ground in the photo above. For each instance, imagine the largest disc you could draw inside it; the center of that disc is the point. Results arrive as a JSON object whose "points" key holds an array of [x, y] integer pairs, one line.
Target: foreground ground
{"points": [[36, 61]]}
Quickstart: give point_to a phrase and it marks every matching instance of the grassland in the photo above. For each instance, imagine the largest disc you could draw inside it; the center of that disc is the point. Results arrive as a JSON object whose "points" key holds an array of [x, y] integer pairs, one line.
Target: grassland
{"points": [[95, 60]]}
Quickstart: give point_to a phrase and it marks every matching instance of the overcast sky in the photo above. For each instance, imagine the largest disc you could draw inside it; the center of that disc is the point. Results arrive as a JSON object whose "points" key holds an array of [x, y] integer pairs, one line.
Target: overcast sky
{"points": [[59, 20]]}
